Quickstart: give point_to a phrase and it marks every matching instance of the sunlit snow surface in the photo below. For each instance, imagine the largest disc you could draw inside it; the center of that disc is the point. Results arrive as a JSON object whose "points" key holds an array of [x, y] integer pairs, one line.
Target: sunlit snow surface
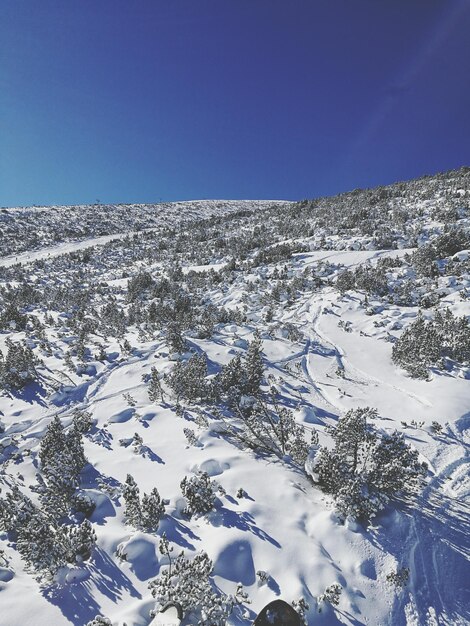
{"points": [[284, 526]]}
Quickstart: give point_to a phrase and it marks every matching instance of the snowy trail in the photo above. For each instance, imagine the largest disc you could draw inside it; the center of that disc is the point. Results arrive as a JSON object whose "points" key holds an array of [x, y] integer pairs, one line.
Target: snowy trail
{"points": [[438, 545], [65, 248], [345, 363]]}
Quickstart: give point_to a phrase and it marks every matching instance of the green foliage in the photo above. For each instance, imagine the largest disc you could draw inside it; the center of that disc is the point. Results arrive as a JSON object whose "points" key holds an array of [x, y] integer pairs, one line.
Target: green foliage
{"points": [[62, 459], [188, 379], [199, 492], [18, 367], [428, 343], [146, 513], [366, 467], [189, 583]]}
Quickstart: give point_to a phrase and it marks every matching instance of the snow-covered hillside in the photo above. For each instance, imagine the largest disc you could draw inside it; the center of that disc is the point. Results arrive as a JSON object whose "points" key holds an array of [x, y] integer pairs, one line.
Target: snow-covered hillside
{"points": [[229, 345], [31, 228]]}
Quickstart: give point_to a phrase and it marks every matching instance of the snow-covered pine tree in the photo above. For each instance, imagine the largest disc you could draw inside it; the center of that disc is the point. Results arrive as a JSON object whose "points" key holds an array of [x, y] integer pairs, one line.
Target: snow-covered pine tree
{"points": [[354, 436], [53, 443], [132, 511], [188, 582], [395, 466], [188, 379], [62, 459], [253, 366], [16, 510], [155, 389], [18, 366], [41, 545], [152, 509], [82, 421], [76, 460], [199, 492], [58, 489], [79, 540], [366, 468], [174, 338]]}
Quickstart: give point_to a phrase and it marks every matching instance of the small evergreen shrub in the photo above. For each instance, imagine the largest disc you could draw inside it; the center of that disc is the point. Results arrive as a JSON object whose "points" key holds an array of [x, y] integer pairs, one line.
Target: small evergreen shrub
{"points": [[366, 468], [331, 595], [199, 492], [146, 513], [188, 379], [189, 583]]}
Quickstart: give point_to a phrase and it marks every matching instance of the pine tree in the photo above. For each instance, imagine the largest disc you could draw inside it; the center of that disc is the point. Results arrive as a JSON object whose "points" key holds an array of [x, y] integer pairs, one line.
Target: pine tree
{"points": [[53, 444], [152, 510], [175, 340], [353, 436], [395, 466], [199, 492], [130, 492], [80, 541], [188, 582], [188, 379], [16, 510], [82, 421], [58, 490], [62, 459], [155, 389], [253, 367], [230, 381], [76, 454], [40, 545], [18, 367], [366, 468]]}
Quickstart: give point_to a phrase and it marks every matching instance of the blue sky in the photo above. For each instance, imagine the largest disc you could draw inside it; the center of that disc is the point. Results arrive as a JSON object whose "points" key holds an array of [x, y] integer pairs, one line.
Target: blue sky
{"points": [[137, 101]]}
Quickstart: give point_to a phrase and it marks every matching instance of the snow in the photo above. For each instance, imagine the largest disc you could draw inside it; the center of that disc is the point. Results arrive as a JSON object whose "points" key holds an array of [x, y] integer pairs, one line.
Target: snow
{"points": [[283, 525]]}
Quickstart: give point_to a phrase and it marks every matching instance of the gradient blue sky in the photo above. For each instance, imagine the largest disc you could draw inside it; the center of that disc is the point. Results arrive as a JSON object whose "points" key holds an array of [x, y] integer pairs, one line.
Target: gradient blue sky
{"points": [[142, 100]]}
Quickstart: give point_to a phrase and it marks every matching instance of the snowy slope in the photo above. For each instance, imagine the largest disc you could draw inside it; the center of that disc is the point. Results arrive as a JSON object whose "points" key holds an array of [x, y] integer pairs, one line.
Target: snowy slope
{"points": [[30, 228], [284, 525]]}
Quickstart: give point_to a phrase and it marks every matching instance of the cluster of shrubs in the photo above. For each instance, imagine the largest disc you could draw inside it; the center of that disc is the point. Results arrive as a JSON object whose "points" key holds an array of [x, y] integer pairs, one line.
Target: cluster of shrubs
{"points": [[44, 544], [425, 259], [372, 280], [242, 376], [44, 536], [427, 343], [145, 512], [266, 428], [17, 366], [365, 468]]}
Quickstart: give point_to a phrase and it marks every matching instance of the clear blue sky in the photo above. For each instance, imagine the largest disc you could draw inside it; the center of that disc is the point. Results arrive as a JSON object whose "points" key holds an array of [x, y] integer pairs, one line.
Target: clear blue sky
{"points": [[137, 100]]}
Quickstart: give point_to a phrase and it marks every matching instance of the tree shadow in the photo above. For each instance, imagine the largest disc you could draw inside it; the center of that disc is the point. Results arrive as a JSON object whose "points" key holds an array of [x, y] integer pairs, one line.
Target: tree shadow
{"points": [[33, 393], [101, 437], [176, 531], [147, 453], [76, 601], [241, 520]]}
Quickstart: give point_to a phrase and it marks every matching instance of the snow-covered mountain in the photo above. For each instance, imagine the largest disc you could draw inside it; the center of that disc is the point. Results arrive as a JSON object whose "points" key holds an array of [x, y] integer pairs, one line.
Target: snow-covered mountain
{"points": [[292, 378]]}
